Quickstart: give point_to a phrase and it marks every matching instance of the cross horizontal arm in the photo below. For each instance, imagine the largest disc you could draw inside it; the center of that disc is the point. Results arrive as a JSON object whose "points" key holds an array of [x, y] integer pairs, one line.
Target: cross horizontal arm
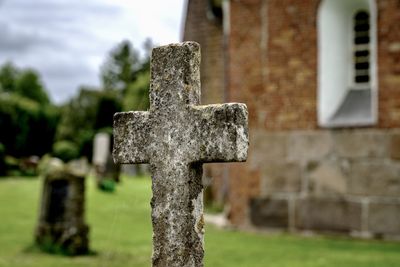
{"points": [[131, 134], [222, 131]]}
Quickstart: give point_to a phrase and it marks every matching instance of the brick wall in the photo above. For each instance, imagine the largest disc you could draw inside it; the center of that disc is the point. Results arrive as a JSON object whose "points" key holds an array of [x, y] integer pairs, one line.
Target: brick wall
{"points": [[272, 67], [200, 26], [389, 63], [273, 62]]}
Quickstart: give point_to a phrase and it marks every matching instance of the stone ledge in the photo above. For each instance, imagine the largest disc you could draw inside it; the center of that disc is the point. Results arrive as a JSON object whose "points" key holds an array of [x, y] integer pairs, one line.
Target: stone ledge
{"points": [[374, 178], [328, 214], [384, 218], [269, 212], [281, 177]]}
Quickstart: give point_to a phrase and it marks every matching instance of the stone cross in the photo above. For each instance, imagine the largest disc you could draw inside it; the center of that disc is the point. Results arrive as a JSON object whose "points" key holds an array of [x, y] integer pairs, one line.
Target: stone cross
{"points": [[176, 136]]}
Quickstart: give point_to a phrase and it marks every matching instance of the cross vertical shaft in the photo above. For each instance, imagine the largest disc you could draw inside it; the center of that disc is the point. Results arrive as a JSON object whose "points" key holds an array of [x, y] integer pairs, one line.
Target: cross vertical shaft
{"points": [[176, 136]]}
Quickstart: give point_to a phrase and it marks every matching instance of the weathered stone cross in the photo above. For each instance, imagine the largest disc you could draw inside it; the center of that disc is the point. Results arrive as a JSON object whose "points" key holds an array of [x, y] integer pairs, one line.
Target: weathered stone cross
{"points": [[176, 136]]}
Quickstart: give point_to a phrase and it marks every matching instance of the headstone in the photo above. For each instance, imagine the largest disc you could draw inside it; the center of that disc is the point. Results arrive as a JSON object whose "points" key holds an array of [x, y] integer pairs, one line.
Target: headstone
{"points": [[112, 170], [176, 136], [61, 227], [103, 164], [101, 149]]}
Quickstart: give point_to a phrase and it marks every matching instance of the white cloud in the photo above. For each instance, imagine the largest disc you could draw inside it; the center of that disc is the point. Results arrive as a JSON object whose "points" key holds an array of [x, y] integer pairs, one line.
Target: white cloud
{"points": [[67, 40]]}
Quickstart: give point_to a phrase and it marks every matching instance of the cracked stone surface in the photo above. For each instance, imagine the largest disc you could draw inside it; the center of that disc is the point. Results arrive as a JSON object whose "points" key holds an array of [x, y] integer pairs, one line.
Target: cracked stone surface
{"points": [[176, 136]]}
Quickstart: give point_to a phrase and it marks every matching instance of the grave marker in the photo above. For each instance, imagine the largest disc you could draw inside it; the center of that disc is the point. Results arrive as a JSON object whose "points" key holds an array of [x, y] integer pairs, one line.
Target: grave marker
{"points": [[104, 166], [101, 149], [176, 136], [62, 226]]}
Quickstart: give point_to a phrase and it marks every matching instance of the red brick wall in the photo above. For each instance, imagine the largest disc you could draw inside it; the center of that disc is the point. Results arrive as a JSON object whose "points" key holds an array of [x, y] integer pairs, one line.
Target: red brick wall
{"points": [[245, 85], [279, 81], [245, 81], [389, 63], [272, 67], [276, 79], [201, 27]]}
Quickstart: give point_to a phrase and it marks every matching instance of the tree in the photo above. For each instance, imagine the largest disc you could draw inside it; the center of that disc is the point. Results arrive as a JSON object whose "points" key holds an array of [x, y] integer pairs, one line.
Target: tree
{"points": [[129, 74], [137, 93], [78, 114], [8, 77], [125, 77], [89, 112], [28, 128], [29, 85], [120, 67], [27, 118], [2, 160], [24, 82], [108, 104]]}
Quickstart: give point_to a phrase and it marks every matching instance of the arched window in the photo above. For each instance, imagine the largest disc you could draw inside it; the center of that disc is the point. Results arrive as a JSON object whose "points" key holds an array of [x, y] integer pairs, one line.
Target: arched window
{"points": [[347, 82]]}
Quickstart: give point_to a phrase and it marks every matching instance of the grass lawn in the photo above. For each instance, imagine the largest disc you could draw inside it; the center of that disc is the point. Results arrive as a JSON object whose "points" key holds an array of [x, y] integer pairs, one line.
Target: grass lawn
{"points": [[120, 234]]}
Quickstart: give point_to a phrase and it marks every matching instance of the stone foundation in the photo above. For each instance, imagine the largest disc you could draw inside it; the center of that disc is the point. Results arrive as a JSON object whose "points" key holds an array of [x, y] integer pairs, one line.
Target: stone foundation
{"points": [[327, 180]]}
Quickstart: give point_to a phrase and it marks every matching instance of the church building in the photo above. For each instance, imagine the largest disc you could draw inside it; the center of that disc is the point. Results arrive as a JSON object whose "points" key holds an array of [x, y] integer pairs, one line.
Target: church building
{"points": [[321, 80]]}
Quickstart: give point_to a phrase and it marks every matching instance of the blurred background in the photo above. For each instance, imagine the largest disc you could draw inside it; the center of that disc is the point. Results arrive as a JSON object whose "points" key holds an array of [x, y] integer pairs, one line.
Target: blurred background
{"points": [[59, 56], [321, 79]]}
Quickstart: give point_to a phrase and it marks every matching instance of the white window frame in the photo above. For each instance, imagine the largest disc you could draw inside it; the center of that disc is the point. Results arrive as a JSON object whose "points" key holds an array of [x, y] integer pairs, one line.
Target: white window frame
{"points": [[327, 118]]}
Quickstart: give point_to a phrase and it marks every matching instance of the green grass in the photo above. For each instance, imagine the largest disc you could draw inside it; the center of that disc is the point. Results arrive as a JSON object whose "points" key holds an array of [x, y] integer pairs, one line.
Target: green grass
{"points": [[120, 234]]}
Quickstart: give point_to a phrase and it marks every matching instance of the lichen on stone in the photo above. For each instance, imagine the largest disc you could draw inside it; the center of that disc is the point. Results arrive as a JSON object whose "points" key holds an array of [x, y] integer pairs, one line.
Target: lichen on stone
{"points": [[176, 136]]}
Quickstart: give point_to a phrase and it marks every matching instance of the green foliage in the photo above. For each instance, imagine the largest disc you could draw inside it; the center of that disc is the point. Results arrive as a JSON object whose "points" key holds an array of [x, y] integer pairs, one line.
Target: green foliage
{"points": [[85, 143], [107, 185], [27, 127], [53, 245], [78, 116], [2, 160], [27, 119], [48, 245], [108, 104], [30, 86], [85, 115], [137, 93], [120, 67], [213, 208], [25, 83], [65, 150], [12, 166], [129, 74], [125, 78], [8, 77]]}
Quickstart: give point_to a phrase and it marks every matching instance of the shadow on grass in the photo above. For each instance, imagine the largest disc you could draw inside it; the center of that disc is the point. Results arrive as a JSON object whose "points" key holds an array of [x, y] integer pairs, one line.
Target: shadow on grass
{"points": [[56, 251]]}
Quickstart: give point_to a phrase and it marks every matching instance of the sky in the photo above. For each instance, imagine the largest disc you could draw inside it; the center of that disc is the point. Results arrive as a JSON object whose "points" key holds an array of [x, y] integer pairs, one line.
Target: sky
{"points": [[66, 41]]}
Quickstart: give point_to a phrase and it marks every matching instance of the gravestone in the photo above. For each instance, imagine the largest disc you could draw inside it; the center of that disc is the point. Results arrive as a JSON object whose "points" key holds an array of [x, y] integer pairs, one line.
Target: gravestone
{"points": [[103, 164], [176, 136], [61, 227], [101, 149]]}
